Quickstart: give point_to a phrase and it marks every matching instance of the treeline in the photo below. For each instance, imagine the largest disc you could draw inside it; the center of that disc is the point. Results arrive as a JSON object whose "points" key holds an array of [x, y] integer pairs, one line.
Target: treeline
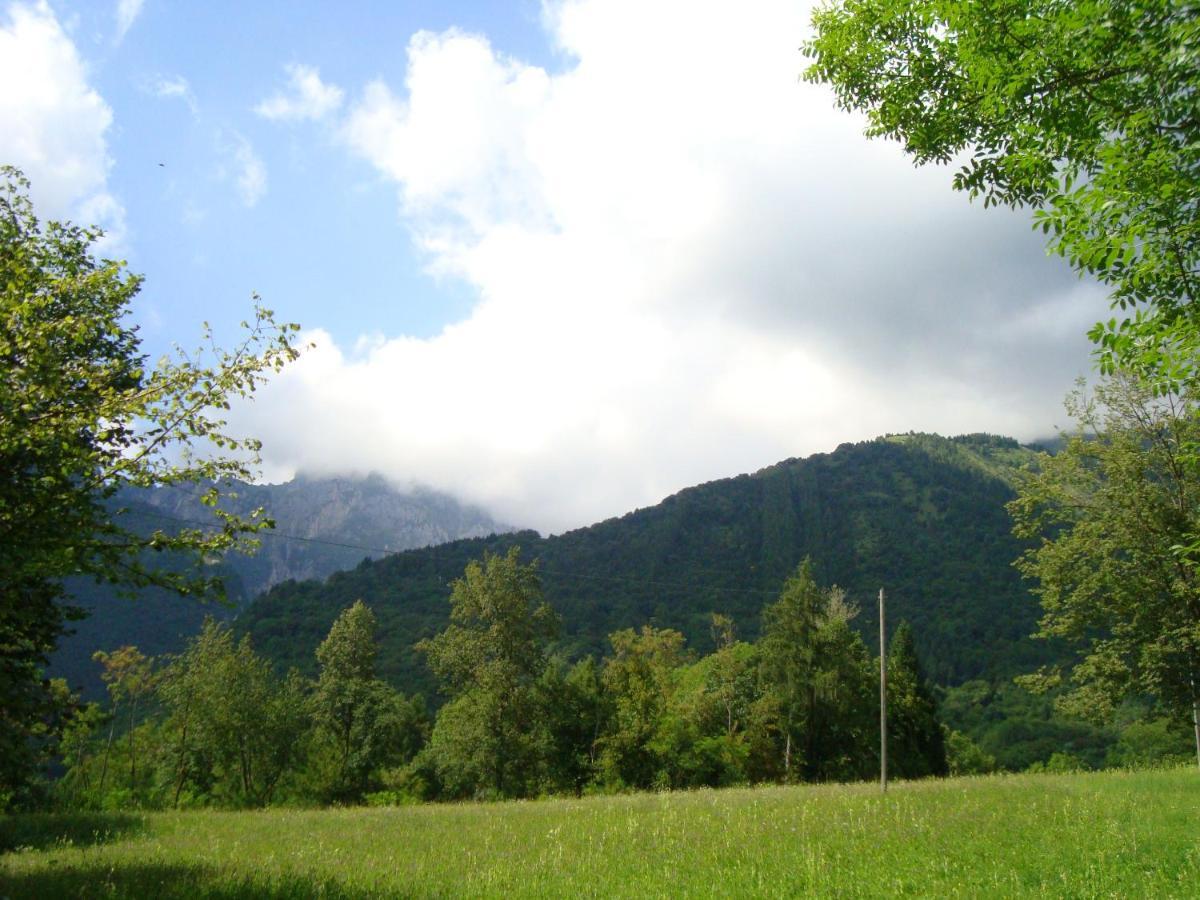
{"points": [[1015, 730], [216, 725], [920, 514]]}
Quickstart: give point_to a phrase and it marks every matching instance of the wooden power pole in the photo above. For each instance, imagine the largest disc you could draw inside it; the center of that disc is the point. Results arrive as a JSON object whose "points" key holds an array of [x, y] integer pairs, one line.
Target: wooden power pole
{"points": [[882, 699]]}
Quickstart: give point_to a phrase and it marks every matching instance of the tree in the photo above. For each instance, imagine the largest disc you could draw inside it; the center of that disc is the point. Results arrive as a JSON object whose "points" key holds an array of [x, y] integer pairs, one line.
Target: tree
{"points": [[842, 738], [1150, 743], [637, 679], [818, 671], [129, 676], [488, 738], [916, 740], [730, 674], [789, 657], [1083, 111], [82, 415], [236, 728], [965, 757], [366, 723], [1109, 514], [576, 711], [724, 712], [76, 752], [713, 728]]}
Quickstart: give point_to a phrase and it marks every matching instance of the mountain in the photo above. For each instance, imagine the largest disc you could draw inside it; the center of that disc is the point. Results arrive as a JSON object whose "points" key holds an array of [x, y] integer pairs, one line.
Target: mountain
{"points": [[321, 525], [919, 515]]}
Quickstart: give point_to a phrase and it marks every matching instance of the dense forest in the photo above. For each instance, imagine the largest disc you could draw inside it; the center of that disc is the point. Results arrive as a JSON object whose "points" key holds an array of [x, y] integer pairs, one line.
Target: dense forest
{"points": [[216, 725], [921, 515], [654, 650], [319, 525]]}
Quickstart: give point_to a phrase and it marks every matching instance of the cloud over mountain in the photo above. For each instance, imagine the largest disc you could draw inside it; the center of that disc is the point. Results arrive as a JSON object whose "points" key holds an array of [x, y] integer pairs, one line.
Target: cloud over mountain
{"points": [[687, 264]]}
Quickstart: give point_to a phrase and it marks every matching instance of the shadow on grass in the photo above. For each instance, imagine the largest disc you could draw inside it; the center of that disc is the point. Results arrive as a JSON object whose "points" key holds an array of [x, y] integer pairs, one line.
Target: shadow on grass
{"points": [[166, 880], [41, 831]]}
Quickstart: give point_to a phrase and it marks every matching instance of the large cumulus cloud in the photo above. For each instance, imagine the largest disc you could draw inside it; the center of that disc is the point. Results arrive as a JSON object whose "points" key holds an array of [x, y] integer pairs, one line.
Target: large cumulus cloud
{"points": [[53, 123], [687, 263]]}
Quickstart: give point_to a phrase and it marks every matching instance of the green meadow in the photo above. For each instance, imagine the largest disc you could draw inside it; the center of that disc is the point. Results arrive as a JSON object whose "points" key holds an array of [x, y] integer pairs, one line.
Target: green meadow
{"points": [[1109, 834]]}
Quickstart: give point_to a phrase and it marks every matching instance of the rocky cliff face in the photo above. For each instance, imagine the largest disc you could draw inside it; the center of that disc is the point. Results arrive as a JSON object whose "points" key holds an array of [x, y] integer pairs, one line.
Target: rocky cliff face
{"points": [[322, 525]]}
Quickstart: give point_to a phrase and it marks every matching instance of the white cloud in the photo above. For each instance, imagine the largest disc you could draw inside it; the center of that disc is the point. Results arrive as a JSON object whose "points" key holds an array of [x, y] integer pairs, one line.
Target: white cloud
{"points": [[307, 97], [127, 13], [249, 173], [688, 264], [53, 122], [460, 144], [171, 87], [237, 162], [174, 86]]}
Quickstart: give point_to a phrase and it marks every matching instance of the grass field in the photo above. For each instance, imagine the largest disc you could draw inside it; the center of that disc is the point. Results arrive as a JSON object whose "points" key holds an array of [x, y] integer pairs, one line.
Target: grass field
{"points": [[1086, 835]]}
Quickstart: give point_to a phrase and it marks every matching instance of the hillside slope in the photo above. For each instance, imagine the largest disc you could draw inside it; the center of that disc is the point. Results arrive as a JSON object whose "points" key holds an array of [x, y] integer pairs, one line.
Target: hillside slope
{"points": [[322, 525], [921, 515]]}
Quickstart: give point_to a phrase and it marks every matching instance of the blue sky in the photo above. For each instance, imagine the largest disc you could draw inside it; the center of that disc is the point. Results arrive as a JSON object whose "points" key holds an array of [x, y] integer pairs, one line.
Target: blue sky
{"points": [[559, 258], [323, 227]]}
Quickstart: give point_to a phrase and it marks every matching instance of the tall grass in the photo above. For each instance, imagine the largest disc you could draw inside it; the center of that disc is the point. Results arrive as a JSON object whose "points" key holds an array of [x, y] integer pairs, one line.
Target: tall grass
{"points": [[1082, 835]]}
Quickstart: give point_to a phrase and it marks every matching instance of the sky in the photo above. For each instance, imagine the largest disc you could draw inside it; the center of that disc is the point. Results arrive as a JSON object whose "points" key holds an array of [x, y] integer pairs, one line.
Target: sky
{"points": [[559, 259]]}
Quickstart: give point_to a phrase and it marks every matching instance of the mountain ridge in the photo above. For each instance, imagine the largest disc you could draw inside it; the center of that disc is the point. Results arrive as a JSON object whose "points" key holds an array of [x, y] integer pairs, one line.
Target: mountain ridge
{"points": [[921, 515], [323, 525]]}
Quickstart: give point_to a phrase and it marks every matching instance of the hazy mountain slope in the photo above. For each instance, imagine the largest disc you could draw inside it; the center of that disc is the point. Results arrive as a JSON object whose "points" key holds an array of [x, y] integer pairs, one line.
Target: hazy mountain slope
{"points": [[921, 515], [322, 525]]}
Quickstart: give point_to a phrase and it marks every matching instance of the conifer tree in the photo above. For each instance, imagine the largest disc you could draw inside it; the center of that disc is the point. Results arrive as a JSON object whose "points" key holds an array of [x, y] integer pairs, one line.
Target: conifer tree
{"points": [[916, 740]]}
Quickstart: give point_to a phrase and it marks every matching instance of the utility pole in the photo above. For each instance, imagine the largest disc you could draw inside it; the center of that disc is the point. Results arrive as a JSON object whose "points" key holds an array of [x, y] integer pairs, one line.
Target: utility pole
{"points": [[882, 699], [1195, 711]]}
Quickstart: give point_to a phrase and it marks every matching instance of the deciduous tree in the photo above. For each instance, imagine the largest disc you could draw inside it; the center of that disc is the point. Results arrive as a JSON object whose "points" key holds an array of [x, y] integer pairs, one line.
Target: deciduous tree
{"points": [[488, 738], [366, 723], [236, 728], [1084, 111], [129, 676], [83, 414], [1110, 514], [637, 679]]}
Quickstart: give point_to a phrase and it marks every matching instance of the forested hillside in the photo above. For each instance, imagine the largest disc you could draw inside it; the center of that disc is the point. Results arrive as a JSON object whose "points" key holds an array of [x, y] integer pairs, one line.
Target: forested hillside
{"points": [[322, 525], [920, 515]]}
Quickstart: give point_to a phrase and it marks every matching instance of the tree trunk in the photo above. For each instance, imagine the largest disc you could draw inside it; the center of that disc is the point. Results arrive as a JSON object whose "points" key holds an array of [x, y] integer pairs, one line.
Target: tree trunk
{"points": [[112, 732], [246, 779], [810, 736], [181, 764], [132, 749]]}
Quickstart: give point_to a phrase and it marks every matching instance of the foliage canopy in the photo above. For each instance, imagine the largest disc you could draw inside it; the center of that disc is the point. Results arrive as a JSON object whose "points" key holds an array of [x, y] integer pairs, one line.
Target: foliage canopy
{"points": [[82, 415], [1113, 511], [490, 659], [1084, 111]]}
